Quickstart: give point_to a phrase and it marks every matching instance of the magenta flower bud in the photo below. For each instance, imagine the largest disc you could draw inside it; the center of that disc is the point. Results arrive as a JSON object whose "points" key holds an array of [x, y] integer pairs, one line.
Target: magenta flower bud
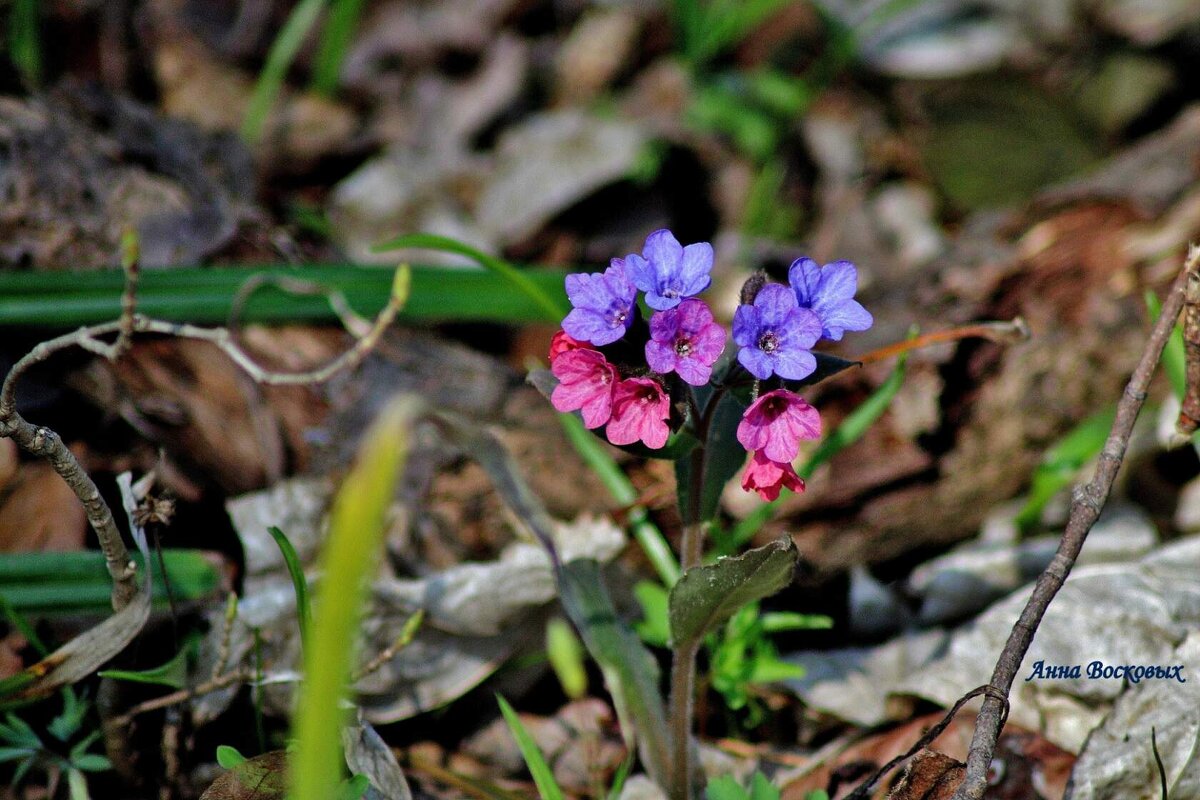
{"points": [[768, 477]]}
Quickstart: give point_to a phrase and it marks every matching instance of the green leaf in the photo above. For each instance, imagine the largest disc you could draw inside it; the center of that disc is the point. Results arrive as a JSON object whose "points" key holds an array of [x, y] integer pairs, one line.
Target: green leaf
{"points": [[566, 658], [702, 475], [299, 583], [353, 787], [647, 534], [91, 762], [206, 295], [279, 59], [229, 757], [772, 670], [709, 594], [777, 621], [64, 726], [762, 789], [173, 673], [1174, 358], [13, 753], [25, 41], [335, 41], [725, 787], [549, 303], [630, 672], [655, 627], [348, 560], [1062, 462], [543, 776]]}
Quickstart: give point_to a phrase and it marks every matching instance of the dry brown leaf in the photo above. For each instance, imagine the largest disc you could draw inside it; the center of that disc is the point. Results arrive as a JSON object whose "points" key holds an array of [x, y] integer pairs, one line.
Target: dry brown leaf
{"points": [[38, 511]]}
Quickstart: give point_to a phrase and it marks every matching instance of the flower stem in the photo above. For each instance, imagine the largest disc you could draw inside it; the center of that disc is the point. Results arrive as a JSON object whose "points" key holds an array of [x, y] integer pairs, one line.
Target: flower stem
{"points": [[683, 664]]}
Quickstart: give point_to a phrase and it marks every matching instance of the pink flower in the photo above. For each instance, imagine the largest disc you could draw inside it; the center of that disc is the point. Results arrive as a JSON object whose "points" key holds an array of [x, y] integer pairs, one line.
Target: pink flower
{"points": [[684, 339], [563, 342], [767, 477], [585, 383], [640, 409], [776, 422]]}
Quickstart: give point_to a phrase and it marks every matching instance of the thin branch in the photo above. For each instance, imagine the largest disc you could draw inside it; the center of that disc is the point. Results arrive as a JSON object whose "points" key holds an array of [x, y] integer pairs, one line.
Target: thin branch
{"points": [[1011, 332], [1086, 504], [863, 790], [163, 701]]}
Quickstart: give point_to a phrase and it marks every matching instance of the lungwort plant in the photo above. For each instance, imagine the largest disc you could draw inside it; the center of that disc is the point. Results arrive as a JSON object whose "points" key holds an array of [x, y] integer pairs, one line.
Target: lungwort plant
{"points": [[642, 361]]}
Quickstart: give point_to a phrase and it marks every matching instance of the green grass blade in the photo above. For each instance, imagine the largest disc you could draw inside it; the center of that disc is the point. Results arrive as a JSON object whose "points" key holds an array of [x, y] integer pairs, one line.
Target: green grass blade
{"points": [[335, 41], [553, 306], [1173, 357], [299, 582], [206, 295], [173, 673], [543, 776], [283, 52], [348, 560], [1061, 464], [647, 534], [846, 434], [77, 582], [24, 40]]}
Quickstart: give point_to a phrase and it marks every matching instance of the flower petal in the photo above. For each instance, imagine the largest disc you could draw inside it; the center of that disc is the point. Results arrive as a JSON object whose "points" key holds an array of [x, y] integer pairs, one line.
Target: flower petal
{"points": [[838, 281], [849, 315], [746, 322], [695, 268], [758, 363], [693, 371], [793, 364], [664, 253], [660, 356], [639, 271], [805, 278], [774, 304]]}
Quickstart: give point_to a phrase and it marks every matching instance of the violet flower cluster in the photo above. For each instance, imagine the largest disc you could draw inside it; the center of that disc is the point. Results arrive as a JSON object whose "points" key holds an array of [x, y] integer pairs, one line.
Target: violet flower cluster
{"points": [[626, 374]]}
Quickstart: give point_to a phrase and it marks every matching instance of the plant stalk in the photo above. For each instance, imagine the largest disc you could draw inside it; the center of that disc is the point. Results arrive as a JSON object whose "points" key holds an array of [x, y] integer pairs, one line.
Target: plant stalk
{"points": [[683, 663]]}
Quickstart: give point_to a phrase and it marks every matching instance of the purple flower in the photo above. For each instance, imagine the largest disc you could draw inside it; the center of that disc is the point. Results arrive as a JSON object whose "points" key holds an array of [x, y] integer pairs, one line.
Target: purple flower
{"points": [[603, 305], [686, 340], [668, 272], [775, 335], [829, 291]]}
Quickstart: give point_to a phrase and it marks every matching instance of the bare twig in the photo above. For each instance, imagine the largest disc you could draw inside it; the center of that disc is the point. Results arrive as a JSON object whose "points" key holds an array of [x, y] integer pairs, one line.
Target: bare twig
{"points": [[407, 633], [231, 607], [1086, 504], [1189, 411], [163, 701], [863, 790], [43, 442], [131, 263]]}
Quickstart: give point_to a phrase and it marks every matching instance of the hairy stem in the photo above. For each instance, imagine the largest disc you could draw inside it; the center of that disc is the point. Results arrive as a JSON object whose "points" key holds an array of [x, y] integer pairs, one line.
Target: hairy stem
{"points": [[683, 663]]}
